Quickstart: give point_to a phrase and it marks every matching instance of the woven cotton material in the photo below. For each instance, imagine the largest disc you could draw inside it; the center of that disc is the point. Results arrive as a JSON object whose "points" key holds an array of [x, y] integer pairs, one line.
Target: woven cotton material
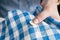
{"points": [[19, 27]]}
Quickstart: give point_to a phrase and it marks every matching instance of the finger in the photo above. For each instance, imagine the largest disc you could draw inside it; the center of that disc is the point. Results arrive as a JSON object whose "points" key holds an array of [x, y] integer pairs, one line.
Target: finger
{"points": [[41, 17], [44, 2]]}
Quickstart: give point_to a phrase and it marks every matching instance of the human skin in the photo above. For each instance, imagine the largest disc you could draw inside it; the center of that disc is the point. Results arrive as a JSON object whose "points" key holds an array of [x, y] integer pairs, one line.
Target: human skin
{"points": [[49, 9]]}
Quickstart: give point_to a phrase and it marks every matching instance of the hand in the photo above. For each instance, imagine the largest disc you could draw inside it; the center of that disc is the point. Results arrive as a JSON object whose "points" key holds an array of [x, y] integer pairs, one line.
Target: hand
{"points": [[49, 9]]}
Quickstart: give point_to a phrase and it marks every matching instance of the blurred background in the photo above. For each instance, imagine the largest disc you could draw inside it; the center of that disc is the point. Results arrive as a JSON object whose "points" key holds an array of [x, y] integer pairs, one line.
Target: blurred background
{"points": [[6, 5]]}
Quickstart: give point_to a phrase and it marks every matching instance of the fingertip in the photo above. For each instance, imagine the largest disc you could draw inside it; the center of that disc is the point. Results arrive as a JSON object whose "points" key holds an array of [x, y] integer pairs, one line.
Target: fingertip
{"points": [[32, 23], [36, 21]]}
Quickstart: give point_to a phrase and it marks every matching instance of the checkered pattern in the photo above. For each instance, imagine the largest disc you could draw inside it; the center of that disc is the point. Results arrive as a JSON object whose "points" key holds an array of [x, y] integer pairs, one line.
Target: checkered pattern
{"points": [[19, 28], [2, 29]]}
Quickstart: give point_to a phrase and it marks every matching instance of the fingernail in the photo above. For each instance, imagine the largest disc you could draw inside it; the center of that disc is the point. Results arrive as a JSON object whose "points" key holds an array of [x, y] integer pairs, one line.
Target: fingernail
{"points": [[36, 21]]}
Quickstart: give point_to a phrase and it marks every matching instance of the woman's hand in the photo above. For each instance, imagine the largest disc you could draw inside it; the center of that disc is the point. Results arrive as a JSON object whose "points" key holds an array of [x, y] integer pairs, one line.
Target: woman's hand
{"points": [[49, 9]]}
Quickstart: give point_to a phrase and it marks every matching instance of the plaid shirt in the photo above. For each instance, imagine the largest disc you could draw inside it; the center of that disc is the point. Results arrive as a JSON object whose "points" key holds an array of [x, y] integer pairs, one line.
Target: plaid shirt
{"points": [[17, 27]]}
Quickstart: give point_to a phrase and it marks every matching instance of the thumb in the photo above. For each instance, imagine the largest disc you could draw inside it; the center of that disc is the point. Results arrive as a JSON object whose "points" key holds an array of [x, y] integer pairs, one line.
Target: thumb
{"points": [[41, 17]]}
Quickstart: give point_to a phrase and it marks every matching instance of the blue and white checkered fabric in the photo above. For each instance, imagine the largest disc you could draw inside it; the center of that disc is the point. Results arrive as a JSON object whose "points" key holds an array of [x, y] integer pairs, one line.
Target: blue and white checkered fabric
{"points": [[2, 29], [19, 28]]}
